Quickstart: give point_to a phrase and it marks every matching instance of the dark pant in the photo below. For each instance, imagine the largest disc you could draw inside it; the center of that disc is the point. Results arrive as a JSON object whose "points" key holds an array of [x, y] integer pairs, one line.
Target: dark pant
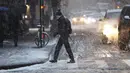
{"points": [[1, 38], [15, 37], [63, 40]]}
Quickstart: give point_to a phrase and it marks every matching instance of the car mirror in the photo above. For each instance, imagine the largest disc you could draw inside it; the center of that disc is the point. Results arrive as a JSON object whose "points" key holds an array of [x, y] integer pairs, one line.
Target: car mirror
{"points": [[127, 17]]}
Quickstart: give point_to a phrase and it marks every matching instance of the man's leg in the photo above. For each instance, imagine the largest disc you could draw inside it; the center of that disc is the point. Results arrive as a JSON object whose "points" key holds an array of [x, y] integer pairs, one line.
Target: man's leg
{"points": [[57, 50], [15, 38], [15, 41], [1, 42], [1, 39], [68, 49]]}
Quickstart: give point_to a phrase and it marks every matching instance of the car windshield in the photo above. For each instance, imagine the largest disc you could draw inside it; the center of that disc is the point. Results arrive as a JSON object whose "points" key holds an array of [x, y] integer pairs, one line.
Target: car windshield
{"points": [[113, 15]]}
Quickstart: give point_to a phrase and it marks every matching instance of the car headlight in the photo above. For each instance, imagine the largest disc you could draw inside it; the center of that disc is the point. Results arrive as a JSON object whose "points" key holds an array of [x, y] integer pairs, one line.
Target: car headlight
{"points": [[74, 19], [81, 19], [85, 20], [107, 26], [109, 29], [89, 20], [93, 20]]}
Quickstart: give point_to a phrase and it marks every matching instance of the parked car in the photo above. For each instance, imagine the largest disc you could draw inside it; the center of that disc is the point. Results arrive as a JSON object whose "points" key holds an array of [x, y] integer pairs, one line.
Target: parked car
{"points": [[124, 28], [109, 26]]}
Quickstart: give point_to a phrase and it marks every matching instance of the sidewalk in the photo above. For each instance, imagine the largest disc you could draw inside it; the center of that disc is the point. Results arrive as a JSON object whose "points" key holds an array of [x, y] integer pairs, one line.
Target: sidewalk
{"points": [[25, 54]]}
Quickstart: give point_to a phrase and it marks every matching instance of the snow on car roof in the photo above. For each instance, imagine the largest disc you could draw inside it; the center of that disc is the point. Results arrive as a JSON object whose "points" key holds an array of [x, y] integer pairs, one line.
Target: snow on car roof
{"points": [[115, 10]]}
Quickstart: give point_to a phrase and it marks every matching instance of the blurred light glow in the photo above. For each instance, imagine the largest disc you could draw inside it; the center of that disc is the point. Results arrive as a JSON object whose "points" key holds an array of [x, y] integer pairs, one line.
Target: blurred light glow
{"points": [[28, 9], [91, 20], [84, 15], [28, 6], [85, 21], [118, 7], [82, 19], [26, 16], [110, 31], [74, 19]]}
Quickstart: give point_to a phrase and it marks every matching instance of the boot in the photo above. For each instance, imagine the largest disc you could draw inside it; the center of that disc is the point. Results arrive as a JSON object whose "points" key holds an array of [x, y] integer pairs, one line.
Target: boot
{"points": [[71, 61], [53, 61]]}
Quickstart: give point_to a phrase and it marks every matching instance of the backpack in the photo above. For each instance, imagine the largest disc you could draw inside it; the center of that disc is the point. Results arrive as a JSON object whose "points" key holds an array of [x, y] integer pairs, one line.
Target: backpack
{"points": [[68, 26]]}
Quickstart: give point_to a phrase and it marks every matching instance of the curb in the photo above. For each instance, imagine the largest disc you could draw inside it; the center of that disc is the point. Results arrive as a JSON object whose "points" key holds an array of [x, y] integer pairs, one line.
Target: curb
{"points": [[21, 65]]}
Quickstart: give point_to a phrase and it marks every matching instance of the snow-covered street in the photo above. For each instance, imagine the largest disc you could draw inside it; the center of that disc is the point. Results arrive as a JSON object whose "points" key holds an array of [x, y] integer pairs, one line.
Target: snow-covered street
{"points": [[97, 28], [90, 54]]}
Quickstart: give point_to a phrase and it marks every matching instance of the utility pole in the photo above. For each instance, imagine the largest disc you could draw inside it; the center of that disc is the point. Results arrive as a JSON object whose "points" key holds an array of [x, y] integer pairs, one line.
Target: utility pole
{"points": [[41, 28]]}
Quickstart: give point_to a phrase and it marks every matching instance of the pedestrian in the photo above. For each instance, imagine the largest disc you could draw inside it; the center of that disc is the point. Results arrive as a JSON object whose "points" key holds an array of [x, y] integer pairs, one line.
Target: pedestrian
{"points": [[3, 25], [1, 29], [64, 29], [15, 17]]}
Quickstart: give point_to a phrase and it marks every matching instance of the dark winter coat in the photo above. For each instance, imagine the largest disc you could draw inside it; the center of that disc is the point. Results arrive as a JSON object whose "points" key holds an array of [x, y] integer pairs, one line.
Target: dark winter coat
{"points": [[64, 26], [3, 21], [14, 19]]}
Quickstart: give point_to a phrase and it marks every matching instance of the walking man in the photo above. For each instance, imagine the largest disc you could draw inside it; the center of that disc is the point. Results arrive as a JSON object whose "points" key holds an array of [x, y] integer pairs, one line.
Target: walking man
{"points": [[64, 29]]}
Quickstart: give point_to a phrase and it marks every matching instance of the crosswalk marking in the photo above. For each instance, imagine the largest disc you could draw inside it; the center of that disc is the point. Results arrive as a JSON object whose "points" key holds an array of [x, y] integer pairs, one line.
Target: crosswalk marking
{"points": [[101, 63], [127, 62]]}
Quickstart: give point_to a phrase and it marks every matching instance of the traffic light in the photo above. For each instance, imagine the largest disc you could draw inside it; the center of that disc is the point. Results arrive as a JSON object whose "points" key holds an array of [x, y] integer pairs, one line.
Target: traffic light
{"points": [[42, 6], [118, 4]]}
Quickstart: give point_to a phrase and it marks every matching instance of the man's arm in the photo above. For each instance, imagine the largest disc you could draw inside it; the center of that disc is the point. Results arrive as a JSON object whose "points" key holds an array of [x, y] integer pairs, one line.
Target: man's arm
{"points": [[69, 26]]}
